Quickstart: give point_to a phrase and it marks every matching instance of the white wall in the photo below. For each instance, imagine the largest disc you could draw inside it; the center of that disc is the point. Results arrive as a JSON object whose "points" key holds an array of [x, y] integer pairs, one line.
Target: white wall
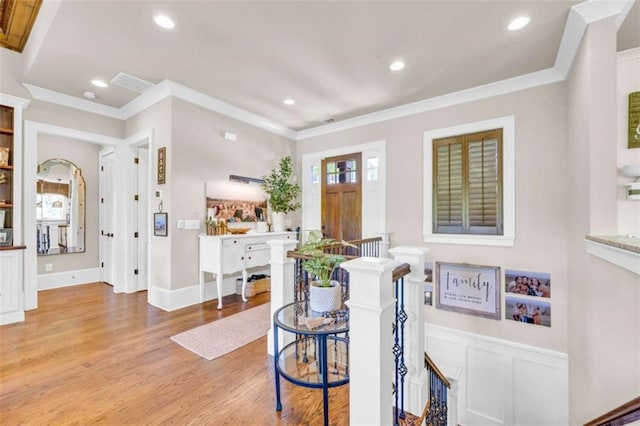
{"points": [[604, 319], [200, 154], [628, 81], [158, 118], [541, 219]]}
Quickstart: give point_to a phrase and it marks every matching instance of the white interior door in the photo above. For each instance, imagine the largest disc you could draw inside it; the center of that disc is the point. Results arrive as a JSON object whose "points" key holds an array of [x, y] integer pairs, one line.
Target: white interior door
{"points": [[143, 218], [106, 213]]}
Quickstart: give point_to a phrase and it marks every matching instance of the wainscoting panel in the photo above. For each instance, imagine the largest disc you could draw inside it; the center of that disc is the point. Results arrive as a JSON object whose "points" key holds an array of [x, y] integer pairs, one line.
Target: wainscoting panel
{"points": [[485, 400], [501, 382], [530, 380]]}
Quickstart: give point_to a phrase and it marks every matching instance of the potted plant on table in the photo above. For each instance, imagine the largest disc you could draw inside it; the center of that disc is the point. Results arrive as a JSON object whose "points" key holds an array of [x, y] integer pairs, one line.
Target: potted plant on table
{"points": [[282, 192], [325, 294]]}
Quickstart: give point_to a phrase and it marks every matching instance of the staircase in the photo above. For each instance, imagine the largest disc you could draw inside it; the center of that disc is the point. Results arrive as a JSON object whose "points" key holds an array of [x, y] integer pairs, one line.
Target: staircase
{"points": [[386, 320]]}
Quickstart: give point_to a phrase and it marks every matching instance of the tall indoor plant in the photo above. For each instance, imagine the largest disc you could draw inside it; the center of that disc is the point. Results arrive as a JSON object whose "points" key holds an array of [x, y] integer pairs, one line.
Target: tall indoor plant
{"points": [[325, 294], [282, 192]]}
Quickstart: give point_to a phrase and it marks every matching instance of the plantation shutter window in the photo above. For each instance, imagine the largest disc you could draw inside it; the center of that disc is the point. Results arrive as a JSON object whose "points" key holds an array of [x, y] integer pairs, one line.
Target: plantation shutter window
{"points": [[467, 184]]}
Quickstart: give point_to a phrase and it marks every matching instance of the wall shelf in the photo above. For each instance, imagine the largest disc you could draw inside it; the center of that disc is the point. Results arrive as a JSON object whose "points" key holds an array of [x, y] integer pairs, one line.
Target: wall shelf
{"points": [[621, 251]]}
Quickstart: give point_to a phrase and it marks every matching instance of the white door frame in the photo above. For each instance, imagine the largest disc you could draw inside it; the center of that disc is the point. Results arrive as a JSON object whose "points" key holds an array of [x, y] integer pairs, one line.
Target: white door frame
{"points": [[138, 140], [107, 190], [374, 193], [32, 130]]}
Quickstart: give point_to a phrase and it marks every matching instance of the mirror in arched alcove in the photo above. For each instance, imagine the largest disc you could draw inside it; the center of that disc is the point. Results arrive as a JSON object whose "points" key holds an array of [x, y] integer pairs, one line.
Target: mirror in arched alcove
{"points": [[60, 208]]}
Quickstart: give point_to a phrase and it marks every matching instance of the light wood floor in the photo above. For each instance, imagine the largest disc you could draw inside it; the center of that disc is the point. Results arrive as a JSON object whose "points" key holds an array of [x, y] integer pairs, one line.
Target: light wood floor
{"points": [[89, 356]]}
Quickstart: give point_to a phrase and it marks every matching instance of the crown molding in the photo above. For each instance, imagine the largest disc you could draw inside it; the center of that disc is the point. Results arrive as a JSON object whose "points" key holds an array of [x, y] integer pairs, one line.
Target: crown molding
{"points": [[485, 91], [54, 97], [629, 55], [157, 93], [197, 98], [14, 101], [580, 16]]}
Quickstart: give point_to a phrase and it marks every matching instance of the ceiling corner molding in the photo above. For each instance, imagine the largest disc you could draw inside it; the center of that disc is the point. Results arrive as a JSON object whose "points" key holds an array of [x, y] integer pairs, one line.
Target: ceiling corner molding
{"points": [[154, 95], [580, 16], [145, 100], [205, 101], [14, 101], [629, 55], [484, 91], [54, 97]]}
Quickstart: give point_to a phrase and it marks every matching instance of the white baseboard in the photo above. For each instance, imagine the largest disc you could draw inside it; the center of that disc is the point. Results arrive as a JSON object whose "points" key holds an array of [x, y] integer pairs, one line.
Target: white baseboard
{"points": [[11, 318], [170, 300], [68, 278]]}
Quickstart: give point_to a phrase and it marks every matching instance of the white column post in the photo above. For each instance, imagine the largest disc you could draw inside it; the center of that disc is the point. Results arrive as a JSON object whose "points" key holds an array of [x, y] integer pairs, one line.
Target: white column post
{"points": [[416, 380], [282, 282], [371, 314]]}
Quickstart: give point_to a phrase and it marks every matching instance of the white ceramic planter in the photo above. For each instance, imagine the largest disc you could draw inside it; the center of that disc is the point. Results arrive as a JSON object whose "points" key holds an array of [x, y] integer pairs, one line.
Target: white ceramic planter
{"points": [[277, 219], [325, 299]]}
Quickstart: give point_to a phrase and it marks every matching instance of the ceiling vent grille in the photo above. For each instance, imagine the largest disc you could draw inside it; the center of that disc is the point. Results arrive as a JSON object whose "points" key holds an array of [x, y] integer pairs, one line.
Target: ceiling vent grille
{"points": [[132, 83]]}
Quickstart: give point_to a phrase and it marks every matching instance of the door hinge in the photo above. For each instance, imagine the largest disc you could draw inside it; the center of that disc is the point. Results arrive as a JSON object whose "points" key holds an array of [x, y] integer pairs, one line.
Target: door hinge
{"points": [[102, 265], [135, 197], [102, 168], [136, 160], [101, 200], [135, 235], [135, 272]]}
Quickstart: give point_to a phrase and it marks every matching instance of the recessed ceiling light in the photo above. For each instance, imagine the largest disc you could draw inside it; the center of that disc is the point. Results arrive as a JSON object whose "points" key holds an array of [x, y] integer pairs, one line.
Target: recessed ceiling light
{"points": [[99, 83], [289, 101], [518, 23], [89, 95], [164, 21], [396, 66]]}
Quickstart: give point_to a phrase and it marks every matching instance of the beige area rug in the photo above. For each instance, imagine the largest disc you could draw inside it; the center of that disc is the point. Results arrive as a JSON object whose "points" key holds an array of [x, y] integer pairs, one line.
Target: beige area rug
{"points": [[215, 339]]}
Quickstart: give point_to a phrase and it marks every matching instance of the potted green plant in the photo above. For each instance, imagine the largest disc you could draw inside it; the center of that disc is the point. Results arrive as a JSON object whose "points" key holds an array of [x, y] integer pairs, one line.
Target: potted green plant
{"points": [[325, 294], [282, 192]]}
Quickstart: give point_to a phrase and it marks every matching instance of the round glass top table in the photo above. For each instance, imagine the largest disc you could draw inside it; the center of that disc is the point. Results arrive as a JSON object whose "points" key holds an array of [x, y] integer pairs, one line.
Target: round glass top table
{"points": [[315, 351]]}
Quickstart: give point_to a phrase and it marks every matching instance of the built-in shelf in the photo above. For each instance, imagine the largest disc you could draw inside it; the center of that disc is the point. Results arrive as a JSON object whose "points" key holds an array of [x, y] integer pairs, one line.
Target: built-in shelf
{"points": [[6, 131], [6, 206], [623, 251], [6, 167]]}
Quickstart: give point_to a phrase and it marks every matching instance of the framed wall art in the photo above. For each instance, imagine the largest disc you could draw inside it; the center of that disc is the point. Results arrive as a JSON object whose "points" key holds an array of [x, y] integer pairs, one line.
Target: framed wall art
{"points": [[634, 120], [160, 224], [6, 237], [162, 165], [468, 289]]}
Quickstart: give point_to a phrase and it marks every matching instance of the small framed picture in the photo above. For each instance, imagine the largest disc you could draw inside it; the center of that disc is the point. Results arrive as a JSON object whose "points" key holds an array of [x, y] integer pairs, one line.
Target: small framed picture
{"points": [[162, 165], [160, 224], [6, 237]]}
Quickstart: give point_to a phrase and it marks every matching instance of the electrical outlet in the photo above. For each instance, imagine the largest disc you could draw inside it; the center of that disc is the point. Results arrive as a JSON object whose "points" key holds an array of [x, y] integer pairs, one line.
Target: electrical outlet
{"points": [[48, 267]]}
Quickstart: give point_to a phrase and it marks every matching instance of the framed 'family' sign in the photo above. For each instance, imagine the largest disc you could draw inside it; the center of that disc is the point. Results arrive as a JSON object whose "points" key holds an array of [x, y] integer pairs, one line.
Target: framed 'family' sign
{"points": [[468, 289]]}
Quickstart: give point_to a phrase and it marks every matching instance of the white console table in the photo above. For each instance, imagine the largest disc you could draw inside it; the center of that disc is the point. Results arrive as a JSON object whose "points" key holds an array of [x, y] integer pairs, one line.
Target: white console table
{"points": [[228, 254]]}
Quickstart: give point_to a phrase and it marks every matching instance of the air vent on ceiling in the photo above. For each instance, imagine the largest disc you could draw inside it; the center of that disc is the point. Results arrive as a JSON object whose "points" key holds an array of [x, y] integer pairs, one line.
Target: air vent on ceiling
{"points": [[132, 83]]}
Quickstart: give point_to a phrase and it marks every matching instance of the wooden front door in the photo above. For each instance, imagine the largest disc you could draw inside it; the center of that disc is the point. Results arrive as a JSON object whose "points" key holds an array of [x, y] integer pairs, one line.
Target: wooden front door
{"points": [[342, 197]]}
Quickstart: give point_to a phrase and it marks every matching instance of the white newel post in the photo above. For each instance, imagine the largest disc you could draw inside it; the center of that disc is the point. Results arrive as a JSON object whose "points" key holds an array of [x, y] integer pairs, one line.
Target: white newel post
{"points": [[282, 283], [371, 362], [416, 380]]}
